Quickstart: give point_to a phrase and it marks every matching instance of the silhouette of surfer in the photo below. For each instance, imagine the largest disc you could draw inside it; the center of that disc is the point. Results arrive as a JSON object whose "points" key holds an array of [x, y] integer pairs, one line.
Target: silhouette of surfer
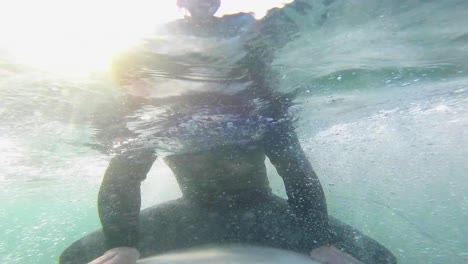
{"points": [[226, 193]]}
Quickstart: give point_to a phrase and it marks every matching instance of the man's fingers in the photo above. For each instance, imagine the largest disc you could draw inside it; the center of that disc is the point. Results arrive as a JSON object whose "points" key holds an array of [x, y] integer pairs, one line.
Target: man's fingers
{"points": [[332, 255], [104, 258], [122, 255]]}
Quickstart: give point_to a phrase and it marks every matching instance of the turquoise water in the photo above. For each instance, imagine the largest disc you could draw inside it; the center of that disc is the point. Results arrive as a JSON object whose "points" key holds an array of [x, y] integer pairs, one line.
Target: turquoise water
{"points": [[384, 121]]}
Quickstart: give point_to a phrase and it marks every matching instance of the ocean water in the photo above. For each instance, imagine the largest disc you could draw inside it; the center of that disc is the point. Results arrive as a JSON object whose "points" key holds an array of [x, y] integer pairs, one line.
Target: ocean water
{"points": [[383, 107]]}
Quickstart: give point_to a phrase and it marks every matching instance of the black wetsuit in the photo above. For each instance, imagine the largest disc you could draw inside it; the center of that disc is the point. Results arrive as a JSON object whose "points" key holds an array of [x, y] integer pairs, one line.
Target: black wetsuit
{"points": [[119, 198], [119, 216], [207, 214]]}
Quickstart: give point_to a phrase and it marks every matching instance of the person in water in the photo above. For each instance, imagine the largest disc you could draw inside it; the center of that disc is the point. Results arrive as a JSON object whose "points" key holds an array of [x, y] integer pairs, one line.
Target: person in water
{"points": [[226, 193]]}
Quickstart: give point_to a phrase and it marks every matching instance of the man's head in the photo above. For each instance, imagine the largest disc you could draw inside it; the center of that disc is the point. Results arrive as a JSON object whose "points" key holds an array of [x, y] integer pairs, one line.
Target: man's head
{"points": [[200, 9]]}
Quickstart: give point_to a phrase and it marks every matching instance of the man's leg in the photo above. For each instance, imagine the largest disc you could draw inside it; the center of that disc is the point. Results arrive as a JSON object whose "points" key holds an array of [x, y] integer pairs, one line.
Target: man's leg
{"points": [[93, 245], [268, 222]]}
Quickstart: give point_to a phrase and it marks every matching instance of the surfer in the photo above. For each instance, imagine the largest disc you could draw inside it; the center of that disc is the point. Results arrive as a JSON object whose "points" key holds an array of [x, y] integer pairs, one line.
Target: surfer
{"points": [[235, 172], [221, 182]]}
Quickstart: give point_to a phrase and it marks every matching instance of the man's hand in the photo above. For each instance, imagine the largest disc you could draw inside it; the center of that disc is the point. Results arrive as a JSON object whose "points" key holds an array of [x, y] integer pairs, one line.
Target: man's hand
{"points": [[120, 255], [332, 255]]}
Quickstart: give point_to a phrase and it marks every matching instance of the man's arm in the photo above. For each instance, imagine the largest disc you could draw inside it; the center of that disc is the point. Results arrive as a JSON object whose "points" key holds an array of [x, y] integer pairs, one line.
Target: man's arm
{"points": [[119, 198], [303, 188]]}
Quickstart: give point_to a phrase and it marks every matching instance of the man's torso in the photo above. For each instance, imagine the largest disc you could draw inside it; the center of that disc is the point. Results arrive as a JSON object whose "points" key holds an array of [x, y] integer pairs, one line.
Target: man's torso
{"points": [[193, 88]]}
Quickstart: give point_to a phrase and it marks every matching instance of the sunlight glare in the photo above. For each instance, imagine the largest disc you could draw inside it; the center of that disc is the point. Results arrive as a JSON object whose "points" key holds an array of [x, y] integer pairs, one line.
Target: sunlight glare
{"points": [[79, 37]]}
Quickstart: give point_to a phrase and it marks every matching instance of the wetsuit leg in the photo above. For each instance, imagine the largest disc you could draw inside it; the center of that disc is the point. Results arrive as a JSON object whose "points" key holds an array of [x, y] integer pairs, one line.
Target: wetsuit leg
{"points": [[183, 224]]}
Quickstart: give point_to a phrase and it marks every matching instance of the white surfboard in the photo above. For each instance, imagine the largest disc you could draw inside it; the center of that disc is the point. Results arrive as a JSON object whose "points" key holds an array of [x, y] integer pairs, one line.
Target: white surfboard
{"points": [[231, 255]]}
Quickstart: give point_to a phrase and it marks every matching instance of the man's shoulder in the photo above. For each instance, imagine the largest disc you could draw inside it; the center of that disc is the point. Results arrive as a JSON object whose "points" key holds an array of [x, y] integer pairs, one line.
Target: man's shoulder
{"points": [[236, 24], [239, 19]]}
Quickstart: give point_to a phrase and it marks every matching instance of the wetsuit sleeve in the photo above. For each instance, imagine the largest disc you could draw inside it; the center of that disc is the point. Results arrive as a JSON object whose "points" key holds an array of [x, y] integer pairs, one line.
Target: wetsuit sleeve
{"points": [[303, 188], [119, 198]]}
